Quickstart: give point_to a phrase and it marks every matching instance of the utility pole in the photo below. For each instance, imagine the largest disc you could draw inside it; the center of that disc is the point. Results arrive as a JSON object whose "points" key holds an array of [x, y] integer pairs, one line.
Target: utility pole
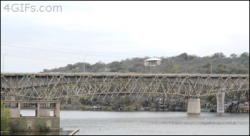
{"points": [[3, 61], [84, 63], [150, 66], [211, 67]]}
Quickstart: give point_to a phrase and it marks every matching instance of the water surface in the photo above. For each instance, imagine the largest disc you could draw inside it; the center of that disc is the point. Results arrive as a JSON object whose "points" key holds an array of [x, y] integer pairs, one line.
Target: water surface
{"points": [[151, 123], [154, 123]]}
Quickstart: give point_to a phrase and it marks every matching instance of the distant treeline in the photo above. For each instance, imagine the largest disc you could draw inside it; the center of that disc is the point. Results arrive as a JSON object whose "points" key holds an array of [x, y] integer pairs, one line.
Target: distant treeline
{"points": [[182, 63]]}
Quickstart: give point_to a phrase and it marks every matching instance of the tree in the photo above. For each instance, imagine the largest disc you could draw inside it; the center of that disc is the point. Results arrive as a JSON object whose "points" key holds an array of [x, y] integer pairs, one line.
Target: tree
{"points": [[245, 55], [5, 118], [233, 67], [88, 67], [115, 66], [125, 100], [175, 69], [186, 64], [45, 70], [212, 98], [85, 101], [191, 57], [183, 56], [98, 67], [138, 67], [219, 55], [233, 55]]}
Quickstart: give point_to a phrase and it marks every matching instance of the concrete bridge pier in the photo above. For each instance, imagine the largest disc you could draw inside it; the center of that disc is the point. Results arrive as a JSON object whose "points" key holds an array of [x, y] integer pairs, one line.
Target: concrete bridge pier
{"points": [[13, 107], [45, 112], [10, 98], [194, 106], [220, 102]]}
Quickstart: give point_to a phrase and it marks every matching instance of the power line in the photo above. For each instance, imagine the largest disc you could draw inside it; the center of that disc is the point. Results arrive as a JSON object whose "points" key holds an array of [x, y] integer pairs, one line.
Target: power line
{"points": [[39, 58], [78, 51], [45, 59], [75, 53], [76, 58]]}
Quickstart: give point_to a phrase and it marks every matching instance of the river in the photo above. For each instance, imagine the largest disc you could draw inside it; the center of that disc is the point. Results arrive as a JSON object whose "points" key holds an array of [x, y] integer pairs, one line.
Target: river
{"points": [[153, 123]]}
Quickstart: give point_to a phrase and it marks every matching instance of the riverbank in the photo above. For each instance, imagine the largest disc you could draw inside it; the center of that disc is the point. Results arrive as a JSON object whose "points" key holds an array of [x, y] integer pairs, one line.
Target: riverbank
{"points": [[232, 107], [149, 103], [154, 123]]}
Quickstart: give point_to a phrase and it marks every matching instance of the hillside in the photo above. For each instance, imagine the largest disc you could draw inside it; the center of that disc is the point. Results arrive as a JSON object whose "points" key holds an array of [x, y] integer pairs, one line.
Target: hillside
{"points": [[182, 63]]}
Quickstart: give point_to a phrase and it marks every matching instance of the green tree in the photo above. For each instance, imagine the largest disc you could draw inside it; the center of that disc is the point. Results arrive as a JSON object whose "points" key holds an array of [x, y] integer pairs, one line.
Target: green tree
{"points": [[175, 69], [245, 54], [212, 98], [191, 57], [46, 70], [115, 66], [219, 55], [183, 56], [98, 67], [233, 55], [85, 101], [5, 118], [186, 63], [125, 100]]}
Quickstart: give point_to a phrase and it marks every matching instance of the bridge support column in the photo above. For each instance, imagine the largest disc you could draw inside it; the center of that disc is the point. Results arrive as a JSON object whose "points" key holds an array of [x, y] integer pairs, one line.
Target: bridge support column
{"points": [[57, 111], [220, 102], [44, 113], [38, 110], [10, 98], [194, 106]]}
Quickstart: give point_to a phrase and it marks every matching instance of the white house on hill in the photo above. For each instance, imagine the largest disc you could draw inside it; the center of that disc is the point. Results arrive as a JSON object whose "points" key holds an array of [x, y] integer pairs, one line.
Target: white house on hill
{"points": [[152, 62]]}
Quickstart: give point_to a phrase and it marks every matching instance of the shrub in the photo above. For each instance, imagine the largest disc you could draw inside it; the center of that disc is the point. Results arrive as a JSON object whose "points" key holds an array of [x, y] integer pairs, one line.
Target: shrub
{"points": [[86, 101], [5, 118], [126, 108], [14, 125], [43, 128], [212, 98], [125, 100]]}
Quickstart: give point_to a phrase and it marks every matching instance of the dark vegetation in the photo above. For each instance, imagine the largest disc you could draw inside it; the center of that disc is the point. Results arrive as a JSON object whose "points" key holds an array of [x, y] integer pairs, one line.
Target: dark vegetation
{"points": [[42, 128], [182, 63], [5, 118], [153, 103]]}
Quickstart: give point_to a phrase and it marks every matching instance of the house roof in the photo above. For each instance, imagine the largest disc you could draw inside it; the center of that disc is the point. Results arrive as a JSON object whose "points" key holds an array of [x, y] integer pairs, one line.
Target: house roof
{"points": [[152, 59]]}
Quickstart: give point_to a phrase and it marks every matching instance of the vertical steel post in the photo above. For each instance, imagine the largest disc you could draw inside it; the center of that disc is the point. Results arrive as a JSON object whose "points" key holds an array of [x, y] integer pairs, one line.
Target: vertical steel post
{"points": [[150, 66], [211, 67], [17, 84], [3, 61], [32, 83]]}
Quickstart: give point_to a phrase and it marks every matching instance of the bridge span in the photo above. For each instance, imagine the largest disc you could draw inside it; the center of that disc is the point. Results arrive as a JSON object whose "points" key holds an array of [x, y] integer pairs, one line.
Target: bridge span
{"points": [[51, 86]]}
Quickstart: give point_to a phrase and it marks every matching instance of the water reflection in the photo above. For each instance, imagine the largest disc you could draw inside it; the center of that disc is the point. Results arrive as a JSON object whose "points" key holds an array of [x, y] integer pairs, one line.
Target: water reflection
{"points": [[220, 114], [154, 123]]}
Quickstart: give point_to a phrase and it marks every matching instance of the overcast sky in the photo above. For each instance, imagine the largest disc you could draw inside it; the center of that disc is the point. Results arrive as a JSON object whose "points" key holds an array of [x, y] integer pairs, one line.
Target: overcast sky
{"points": [[109, 31]]}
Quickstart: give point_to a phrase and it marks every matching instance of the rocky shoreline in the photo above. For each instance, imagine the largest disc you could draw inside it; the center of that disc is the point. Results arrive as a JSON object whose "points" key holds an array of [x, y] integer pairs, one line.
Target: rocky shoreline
{"points": [[231, 107], [151, 104]]}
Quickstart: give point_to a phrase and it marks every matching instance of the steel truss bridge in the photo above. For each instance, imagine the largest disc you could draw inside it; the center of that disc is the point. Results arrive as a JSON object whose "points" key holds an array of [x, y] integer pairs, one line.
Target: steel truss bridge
{"points": [[52, 86]]}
